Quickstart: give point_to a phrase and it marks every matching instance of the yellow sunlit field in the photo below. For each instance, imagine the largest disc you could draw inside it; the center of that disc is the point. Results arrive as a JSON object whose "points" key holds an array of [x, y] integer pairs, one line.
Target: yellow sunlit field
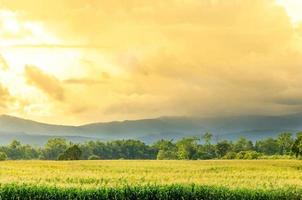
{"points": [[262, 174]]}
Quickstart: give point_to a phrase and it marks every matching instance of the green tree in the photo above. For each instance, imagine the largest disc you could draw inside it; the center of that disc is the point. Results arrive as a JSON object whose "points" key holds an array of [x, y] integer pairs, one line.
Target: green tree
{"points": [[243, 144], [166, 150], [207, 150], [267, 146], [207, 137], [3, 156], [54, 147], [285, 142], [166, 155], [230, 155], [72, 153], [297, 145], [223, 147], [251, 155], [187, 148]]}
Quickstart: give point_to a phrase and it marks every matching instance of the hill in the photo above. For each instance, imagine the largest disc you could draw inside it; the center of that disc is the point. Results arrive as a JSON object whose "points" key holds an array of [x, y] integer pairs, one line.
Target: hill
{"points": [[149, 130]]}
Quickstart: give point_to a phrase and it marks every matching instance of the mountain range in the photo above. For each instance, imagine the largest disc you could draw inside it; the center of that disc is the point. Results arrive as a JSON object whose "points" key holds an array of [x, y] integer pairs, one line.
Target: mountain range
{"points": [[150, 130]]}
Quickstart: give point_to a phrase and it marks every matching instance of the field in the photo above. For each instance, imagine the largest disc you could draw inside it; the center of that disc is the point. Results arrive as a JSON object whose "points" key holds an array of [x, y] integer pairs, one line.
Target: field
{"points": [[273, 179]]}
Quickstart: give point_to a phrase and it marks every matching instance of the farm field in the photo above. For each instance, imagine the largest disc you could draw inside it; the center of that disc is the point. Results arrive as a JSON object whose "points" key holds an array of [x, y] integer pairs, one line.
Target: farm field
{"points": [[265, 174], [276, 179]]}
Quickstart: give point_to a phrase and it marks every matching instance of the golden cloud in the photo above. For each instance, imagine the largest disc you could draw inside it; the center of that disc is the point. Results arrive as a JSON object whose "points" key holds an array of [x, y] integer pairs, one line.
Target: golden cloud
{"points": [[5, 97], [152, 58], [45, 82]]}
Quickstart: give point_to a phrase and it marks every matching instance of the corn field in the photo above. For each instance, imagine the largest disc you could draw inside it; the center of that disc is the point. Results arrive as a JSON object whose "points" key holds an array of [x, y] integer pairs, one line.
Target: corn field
{"points": [[123, 179]]}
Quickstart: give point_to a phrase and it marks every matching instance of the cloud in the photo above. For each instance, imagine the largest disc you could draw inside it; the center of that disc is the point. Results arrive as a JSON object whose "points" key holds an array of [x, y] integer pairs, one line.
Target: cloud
{"points": [[3, 63], [145, 59], [45, 82], [83, 81], [5, 97]]}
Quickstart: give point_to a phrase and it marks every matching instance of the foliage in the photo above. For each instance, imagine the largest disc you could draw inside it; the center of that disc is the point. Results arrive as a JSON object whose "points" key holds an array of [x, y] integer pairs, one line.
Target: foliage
{"points": [[151, 192], [297, 145], [54, 147], [187, 148], [71, 153], [242, 144], [285, 142], [230, 155], [166, 155], [94, 157], [248, 155], [3, 156], [268, 146], [223, 147]]}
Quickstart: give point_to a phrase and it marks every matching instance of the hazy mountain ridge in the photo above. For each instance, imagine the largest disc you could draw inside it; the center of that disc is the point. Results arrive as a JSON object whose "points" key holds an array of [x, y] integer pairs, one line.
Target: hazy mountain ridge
{"points": [[149, 130]]}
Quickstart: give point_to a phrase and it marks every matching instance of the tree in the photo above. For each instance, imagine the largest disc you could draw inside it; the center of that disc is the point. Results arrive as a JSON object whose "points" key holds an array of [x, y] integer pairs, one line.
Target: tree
{"points": [[207, 137], [130, 149], [166, 155], [285, 142], [187, 148], [230, 155], [222, 148], [54, 147], [297, 146], [251, 155], [242, 144], [166, 150], [3, 156], [268, 146], [14, 150], [207, 150], [72, 153]]}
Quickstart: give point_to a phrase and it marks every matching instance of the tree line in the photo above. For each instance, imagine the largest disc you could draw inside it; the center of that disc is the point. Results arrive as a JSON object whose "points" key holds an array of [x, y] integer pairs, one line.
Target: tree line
{"points": [[188, 148]]}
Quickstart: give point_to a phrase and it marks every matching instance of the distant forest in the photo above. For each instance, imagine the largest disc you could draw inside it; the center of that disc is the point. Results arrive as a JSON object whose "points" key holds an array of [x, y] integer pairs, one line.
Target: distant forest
{"points": [[188, 148]]}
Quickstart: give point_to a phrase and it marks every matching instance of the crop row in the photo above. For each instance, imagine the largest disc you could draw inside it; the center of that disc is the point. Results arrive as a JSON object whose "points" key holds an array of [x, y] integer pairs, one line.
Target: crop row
{"points": [[151, 192]]}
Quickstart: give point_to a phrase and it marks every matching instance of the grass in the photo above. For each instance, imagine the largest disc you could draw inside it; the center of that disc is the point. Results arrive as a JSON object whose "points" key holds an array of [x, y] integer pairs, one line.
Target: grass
{"points": [[259, 179]]}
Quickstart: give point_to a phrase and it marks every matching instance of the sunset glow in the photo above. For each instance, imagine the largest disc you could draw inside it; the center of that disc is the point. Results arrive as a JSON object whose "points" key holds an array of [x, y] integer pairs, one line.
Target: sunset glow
{"points": [[104, 60]]}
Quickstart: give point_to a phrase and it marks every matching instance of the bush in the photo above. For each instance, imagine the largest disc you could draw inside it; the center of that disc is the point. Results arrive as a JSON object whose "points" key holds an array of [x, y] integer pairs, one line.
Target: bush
{"points": [[61, 157], [94, 157], [240, 155], [230, 155], [248, 155], [252, 155], [3, 156], [277, 157], [166, 155]]}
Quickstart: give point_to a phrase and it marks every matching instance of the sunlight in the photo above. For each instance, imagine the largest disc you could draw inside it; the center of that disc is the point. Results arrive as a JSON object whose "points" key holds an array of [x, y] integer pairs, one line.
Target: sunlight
{"points": [[11, 25], [293, 9]]}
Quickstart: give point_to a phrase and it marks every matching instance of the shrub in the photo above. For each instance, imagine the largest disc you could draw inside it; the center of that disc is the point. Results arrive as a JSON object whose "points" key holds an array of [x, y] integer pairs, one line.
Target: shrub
{"points": [[251, 155], [230, 155], [240, 155], [248, 155], [94, 157], [166, 155], [3, 156]]}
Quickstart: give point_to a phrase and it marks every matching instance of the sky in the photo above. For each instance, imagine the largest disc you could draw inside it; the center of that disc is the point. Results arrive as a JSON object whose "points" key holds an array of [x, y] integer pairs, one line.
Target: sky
{"points": [[75, 61]]}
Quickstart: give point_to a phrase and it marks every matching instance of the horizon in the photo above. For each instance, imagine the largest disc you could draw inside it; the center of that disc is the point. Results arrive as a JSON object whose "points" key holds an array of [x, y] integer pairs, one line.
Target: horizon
{"points": [[154, 118]]}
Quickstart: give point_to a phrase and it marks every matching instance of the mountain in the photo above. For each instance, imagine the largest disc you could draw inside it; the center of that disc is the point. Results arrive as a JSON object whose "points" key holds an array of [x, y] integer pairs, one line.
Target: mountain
{"points": [[150, 130]]}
